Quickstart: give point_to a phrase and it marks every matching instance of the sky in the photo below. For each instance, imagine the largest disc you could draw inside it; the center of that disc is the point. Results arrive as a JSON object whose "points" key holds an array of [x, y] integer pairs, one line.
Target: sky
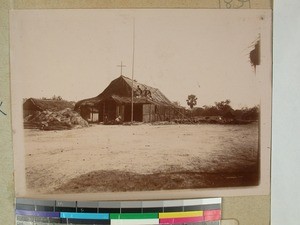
{"points": [[75, 53]]}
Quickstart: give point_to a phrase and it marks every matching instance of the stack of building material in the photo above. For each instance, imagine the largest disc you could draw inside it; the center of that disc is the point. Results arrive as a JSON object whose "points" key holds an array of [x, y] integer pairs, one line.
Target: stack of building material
{"points": [[59, 120]]}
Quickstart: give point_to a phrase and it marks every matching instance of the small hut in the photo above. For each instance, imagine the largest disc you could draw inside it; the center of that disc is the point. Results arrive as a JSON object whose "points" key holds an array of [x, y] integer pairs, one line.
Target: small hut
{"points": [[33, 105], [149, 104]]}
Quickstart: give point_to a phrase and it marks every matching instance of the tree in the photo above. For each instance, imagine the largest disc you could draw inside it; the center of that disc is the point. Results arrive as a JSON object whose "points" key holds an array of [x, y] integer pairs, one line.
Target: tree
{"points": [[58, 98], [223, 105], [250, 113], [224, 109], [191, 101]]}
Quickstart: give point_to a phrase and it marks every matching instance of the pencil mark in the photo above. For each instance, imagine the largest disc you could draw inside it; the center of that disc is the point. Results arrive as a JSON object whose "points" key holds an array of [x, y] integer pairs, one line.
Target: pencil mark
{"points": [[236, 4], [1, 110]]}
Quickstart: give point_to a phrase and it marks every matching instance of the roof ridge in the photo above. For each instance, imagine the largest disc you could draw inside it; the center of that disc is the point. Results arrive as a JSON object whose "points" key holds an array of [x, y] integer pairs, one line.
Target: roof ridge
{"points": [[127, 77]]}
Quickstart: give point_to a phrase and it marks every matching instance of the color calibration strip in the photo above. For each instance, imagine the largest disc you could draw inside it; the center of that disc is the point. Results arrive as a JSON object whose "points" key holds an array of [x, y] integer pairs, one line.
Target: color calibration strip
{"points": [[193, 211]]}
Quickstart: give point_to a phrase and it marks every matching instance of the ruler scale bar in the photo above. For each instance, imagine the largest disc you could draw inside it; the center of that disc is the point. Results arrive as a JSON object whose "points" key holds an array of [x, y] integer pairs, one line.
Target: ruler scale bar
{"points": [[190, 212], [206, 201], [180, 214], [211, 212], [85, 222], [202, 207], [134, 216], [95, 216], [135, 222], [181, 220], [212, 217], [38, 213]]}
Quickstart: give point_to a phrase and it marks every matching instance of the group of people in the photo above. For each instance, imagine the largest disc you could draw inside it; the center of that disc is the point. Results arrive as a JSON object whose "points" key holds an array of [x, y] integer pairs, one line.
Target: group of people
{"points": [[143, 93], [118, 120]]}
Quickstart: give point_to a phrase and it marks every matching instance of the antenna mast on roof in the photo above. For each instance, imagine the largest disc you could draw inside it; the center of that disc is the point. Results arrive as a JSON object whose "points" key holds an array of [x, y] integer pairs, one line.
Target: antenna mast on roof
{"points": [[133, 49]]}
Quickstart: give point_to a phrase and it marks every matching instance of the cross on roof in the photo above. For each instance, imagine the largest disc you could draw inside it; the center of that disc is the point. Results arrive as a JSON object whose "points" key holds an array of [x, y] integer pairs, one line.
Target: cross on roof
{"points": [[121, 67]]}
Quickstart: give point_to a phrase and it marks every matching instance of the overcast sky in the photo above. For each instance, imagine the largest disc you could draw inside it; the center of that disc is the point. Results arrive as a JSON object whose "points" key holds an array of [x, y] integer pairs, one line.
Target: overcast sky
{"points": [[75, 53]]}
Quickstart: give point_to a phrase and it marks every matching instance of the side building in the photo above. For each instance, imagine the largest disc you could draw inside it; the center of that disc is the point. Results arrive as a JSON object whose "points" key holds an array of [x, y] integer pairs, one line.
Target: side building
{"points": [[149, 104], [34, 105]]}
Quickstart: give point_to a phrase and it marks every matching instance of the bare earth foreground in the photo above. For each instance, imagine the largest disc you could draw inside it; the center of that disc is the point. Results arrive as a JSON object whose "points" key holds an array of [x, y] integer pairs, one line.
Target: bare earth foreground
{"points": [[141, 157]]}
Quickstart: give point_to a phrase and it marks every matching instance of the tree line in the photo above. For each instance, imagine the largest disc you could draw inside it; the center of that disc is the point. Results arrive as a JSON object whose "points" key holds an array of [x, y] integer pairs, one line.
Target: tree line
{"points": [[223, 109]]}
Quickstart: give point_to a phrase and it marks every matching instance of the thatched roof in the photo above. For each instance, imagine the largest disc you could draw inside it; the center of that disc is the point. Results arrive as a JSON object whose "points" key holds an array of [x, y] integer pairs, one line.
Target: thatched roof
{"points": [[35, 104], [120, 90]]}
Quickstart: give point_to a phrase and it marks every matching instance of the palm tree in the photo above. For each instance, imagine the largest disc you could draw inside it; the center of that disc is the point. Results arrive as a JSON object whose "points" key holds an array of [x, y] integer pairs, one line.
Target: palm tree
{"points": [[191, 101]]}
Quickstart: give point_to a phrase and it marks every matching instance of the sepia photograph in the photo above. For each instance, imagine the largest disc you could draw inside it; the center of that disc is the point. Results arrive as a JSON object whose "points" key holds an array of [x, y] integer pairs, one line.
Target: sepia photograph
{"points": [[140, 100]]}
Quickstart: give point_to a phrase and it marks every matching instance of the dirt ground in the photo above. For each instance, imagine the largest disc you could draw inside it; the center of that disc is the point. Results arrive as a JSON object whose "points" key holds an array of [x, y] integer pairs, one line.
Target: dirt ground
{"points": [[141, 157]]}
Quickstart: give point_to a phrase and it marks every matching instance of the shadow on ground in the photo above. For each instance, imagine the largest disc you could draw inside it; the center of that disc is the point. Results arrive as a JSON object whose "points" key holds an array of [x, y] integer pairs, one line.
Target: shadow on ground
{"points": [[120, 181]]}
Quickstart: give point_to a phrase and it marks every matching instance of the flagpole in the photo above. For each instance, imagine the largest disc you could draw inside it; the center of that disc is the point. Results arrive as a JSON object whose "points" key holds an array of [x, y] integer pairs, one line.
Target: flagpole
{"points": [[132, 75]]}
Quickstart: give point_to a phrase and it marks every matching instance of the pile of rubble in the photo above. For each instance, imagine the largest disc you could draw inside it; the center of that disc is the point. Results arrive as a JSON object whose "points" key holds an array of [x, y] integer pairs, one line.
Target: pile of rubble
{"points": [[60, 120]]}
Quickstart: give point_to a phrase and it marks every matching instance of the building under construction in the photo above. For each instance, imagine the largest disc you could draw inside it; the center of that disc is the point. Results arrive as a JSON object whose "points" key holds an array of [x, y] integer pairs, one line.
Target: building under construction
{"points": [[121, 96]]}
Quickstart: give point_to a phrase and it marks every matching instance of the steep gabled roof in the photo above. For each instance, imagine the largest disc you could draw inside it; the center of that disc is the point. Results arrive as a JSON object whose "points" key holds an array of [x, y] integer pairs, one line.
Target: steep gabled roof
{"points": [[120, 91], [46, 104], [156, 94]]}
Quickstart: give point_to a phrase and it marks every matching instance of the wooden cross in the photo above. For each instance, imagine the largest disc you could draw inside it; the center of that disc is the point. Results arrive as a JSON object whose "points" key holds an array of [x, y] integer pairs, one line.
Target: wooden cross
{"points": [[121, 67]]}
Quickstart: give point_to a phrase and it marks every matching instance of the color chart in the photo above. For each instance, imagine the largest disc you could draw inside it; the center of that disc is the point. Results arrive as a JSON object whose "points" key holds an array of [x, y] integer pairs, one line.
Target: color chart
{"points": [[180, 212]]}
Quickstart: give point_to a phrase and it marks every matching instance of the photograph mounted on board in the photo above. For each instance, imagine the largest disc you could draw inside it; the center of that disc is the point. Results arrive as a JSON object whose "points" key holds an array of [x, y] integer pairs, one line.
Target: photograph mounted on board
{"points": [[140, 100]]}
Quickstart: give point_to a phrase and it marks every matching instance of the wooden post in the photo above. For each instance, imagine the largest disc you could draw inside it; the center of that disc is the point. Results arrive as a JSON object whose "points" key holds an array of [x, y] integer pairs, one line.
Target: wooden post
{"points": [[132, 75], [150, 111], [99, 113], [103, 111], [117, 110]]}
